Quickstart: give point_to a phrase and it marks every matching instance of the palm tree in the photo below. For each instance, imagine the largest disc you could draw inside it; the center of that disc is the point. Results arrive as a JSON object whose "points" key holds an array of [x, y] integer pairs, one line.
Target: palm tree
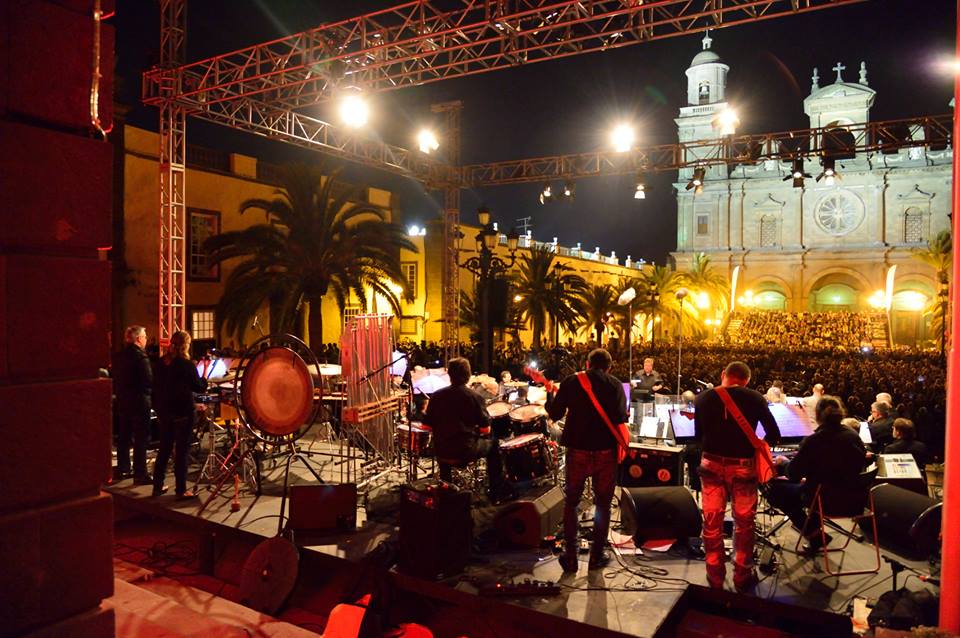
{"points": [[600, 301], [624, 316], [703, 278], [318, 238], [658, 296], [939, 256], [548, 290], [470, 313]]}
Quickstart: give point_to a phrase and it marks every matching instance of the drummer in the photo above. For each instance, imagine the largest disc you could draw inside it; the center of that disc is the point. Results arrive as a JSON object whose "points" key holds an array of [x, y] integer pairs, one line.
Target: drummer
{"points": [[457, 415]]}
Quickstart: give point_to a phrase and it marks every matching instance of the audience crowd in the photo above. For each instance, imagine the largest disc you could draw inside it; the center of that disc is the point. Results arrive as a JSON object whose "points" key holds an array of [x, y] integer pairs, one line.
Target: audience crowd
{"points": [[806, 330]]}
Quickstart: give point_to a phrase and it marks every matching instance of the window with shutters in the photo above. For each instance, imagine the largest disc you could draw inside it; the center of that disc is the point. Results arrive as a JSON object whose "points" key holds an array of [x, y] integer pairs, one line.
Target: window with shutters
{"points": [[769, 235], [349, 312], [913, 226], [703, 224], [409, 269]]}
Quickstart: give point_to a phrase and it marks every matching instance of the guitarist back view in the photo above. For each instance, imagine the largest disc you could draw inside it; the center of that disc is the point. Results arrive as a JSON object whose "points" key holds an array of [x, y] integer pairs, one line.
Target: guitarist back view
{"points": [[591, 450]]}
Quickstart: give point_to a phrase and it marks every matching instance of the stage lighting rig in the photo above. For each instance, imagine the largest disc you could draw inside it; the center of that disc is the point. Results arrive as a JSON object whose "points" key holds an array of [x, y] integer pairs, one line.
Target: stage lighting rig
{"points": [[569, 189], [696, 182], [546, 195], [797, 173], [622, 137], [829, 174], [354, 111], [427, 141]]}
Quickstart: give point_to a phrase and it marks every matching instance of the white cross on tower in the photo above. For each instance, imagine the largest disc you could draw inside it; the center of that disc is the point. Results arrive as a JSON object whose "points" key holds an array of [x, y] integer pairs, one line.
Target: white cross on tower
{"points": [[838, 69], [707, 40]]}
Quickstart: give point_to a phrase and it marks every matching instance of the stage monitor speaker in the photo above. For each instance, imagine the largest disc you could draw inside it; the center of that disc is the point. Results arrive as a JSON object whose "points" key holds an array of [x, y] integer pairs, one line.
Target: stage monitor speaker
{"points": [[525, 521], [436, 529], [499, 294], [323, 507], [649, 513], [702, 612], [907, 522], [651, 466]]}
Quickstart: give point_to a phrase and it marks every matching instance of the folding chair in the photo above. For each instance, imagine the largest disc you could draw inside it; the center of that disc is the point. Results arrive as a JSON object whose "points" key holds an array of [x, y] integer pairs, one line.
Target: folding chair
{"points": [[837, 501]]}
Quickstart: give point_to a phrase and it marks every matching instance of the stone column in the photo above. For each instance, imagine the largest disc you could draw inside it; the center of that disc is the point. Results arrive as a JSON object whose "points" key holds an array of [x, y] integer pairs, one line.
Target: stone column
{"points": [[56, 528]]}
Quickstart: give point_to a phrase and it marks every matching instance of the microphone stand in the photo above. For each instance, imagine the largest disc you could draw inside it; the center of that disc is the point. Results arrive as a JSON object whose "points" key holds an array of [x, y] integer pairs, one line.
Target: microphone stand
{"points": [[679, 346], [381, 368]]}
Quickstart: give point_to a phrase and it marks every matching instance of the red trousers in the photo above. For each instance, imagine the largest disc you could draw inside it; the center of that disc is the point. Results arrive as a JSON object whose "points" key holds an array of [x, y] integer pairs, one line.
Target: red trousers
{"points": [[735, 479]]}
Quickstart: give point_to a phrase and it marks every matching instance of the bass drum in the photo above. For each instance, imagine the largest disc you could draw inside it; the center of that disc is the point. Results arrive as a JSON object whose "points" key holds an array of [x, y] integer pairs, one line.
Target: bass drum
{"points": [[275, 391], [526, 457]]}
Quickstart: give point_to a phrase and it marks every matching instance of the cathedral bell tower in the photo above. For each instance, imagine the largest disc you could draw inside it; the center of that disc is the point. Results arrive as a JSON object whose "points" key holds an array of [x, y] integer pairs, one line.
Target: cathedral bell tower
{"points": [[706, 92]]}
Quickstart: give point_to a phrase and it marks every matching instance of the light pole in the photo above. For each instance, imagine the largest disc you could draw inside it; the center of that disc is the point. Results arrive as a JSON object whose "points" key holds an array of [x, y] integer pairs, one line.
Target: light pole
{"points": [[487, 266], [680, 294], [654, 302], [626, 298], [944, 293]]}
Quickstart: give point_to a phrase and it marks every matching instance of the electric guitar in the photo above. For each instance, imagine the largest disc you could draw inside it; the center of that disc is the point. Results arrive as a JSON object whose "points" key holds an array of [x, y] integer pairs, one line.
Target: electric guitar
{"points": [[538, 377]]}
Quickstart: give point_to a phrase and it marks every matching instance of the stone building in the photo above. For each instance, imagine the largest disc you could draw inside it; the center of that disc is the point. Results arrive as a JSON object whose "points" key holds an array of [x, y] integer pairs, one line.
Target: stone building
{"points": [[817, 244]]}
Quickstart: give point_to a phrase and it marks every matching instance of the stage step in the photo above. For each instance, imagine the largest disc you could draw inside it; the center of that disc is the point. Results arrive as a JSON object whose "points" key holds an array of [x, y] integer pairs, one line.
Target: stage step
{"points": [[164, 608]]}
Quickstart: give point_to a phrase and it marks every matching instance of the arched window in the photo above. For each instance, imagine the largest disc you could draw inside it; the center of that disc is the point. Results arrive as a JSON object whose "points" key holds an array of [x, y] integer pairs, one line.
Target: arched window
{"points": [[768, 231], [913, 226], [704, 93]]}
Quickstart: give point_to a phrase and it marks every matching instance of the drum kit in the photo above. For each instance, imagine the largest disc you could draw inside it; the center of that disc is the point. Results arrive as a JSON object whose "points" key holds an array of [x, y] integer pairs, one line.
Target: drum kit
{"points": [[520, 427]]}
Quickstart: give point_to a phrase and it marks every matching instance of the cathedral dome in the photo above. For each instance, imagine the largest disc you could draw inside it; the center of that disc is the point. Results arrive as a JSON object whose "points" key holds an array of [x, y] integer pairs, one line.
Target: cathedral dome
{"points": [[707, 56]]}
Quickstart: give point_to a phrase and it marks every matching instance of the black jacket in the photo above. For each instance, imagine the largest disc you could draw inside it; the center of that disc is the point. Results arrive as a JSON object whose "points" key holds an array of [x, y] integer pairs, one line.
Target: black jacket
{"points": [[718, 431], [132, 380], [584, 428], [176, 381], [832, 454], [456, 414], [881, 432]]}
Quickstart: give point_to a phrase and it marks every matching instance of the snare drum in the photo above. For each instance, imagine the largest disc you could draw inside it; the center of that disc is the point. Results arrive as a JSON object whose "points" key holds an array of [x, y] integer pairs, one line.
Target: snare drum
{"points": [[525, 458], [500, 423], [417, 441], [530, 418]]}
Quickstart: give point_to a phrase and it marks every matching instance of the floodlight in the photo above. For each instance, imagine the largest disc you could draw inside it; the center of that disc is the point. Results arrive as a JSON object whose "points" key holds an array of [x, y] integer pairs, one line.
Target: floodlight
{"points": [[641, 192], [726, 122], [427, 141], [622, 138], [797, 173], [829, 174], [354, 111], [569, 189], [697, 180], [546, 195]]}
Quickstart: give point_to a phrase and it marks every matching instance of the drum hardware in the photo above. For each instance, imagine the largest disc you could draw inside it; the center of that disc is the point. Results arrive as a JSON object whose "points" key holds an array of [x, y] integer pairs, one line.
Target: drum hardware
{"points": [[526, 458], [274, 394]]}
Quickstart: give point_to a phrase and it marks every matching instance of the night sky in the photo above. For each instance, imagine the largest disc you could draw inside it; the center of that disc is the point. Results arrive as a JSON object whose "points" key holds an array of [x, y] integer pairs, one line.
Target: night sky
{"points": [[568, 106]]}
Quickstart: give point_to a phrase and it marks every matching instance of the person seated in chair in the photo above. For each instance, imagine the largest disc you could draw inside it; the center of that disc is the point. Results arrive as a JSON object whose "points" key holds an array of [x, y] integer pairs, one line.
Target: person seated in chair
{"points": [[906, 442], [833, 454], [458, 417], [881, 424]]}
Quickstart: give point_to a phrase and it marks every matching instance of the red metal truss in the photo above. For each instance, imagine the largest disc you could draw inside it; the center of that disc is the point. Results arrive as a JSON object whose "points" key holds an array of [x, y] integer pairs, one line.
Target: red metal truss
{"points": [[302, 130], [426, 41], [880, 137]]}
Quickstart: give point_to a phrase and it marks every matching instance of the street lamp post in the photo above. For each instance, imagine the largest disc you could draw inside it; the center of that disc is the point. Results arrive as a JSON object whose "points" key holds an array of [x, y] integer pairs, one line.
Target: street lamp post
{"points": [[944, 293], [487, 267]]}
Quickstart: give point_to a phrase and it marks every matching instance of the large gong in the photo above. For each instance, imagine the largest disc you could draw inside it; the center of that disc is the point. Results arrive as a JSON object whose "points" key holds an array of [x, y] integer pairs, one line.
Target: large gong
{"points": [[275, 391]]}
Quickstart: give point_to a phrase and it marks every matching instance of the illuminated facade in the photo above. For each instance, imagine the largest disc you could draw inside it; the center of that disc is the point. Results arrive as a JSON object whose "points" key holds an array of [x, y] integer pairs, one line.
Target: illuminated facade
{"points": [[818, 244]]}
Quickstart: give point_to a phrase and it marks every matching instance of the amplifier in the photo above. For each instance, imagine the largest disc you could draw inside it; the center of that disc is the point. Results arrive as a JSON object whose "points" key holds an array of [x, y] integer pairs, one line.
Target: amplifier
{"points": [[651, 466], [436, 529], [323, 507]]}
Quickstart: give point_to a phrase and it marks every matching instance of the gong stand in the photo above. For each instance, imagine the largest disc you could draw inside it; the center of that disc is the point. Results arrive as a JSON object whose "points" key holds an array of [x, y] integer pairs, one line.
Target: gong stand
{"points": [[275, 398]]}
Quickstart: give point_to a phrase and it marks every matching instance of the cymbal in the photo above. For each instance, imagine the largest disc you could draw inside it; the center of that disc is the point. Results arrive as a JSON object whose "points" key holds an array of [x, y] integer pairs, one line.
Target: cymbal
{"points": [[516, 384], [229, 376]]}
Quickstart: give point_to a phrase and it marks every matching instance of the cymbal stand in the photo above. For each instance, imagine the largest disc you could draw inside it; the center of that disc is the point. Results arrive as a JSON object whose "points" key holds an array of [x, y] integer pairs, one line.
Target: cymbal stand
{"points": [[213, 464]]}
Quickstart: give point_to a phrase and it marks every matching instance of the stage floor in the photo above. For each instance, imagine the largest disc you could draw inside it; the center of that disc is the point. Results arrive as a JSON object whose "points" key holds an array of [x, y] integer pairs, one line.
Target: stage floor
{"points": [[632, 596]]}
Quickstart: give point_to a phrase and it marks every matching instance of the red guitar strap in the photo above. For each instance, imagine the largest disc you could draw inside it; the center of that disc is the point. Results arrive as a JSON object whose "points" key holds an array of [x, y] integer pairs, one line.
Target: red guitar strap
{"points": [[620, 433]]}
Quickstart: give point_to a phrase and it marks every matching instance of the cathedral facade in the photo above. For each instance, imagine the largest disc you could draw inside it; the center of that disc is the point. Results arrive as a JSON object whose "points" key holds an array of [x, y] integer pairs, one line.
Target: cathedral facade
{"points": [[844, 242]]}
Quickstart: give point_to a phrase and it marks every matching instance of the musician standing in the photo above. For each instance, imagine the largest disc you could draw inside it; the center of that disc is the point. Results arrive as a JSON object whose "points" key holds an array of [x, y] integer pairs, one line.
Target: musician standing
{"points": [[133, 383], [177, 379], [727, 470], [591, 452], [457, 415]]}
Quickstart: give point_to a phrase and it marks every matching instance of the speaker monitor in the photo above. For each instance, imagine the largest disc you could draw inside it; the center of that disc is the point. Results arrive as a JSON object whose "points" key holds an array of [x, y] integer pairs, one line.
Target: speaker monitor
{"points": [[436, 529], [651, 466], [907, 522], [527, 520], [649, 513], [323, 507]]}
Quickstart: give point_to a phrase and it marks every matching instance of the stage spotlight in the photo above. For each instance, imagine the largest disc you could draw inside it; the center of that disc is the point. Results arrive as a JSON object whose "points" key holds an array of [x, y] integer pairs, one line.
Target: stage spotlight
{"points": [[354, 111], [427, 141], [641, 192], [569, 189], [622, 138], [797, 173], [696, 182], [829, 174], [726, 122], [546, 195]]}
